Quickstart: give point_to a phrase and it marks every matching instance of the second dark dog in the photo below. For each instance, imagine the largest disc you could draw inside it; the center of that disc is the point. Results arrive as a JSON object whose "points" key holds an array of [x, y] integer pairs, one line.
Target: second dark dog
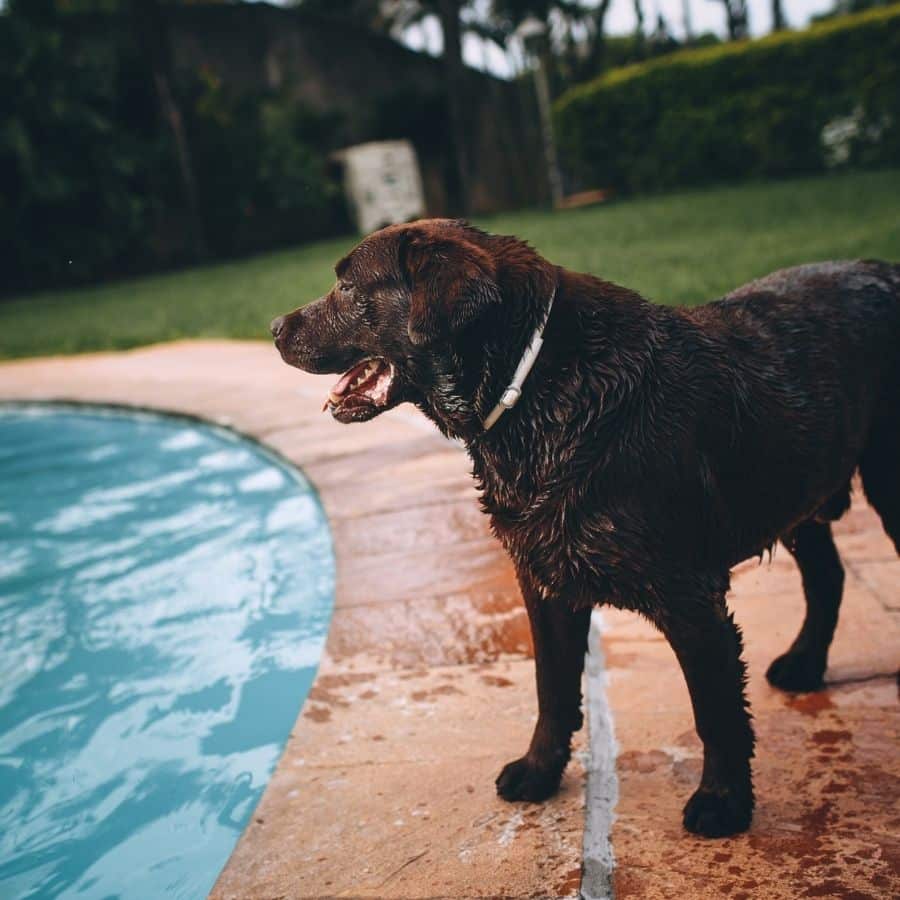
{"points": [[637, 455]]}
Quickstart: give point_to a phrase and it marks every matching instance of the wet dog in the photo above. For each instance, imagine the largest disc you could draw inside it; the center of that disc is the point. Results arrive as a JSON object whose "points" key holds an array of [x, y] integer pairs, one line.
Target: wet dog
{"points": [[629, 453]]}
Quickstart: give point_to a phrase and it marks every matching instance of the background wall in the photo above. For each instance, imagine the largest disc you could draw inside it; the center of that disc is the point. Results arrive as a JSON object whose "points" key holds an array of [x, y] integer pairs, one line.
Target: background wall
{"points": [[90, 179], [377, 87]]}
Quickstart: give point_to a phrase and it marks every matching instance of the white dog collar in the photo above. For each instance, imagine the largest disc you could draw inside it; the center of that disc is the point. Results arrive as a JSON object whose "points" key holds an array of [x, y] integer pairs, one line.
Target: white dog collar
{"points": [[510, 396]]}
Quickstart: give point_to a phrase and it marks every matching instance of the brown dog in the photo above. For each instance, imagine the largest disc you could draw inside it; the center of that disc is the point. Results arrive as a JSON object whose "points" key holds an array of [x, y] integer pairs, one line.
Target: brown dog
{"points": [[650, 450]]}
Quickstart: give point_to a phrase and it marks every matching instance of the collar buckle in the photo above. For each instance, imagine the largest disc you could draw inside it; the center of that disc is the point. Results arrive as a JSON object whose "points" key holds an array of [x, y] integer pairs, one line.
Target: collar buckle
{"points": [[510, 396]]}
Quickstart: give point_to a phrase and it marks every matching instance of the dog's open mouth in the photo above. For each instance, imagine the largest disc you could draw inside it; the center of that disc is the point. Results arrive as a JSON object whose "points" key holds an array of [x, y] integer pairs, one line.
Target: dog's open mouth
{"points": [[363, 391]]}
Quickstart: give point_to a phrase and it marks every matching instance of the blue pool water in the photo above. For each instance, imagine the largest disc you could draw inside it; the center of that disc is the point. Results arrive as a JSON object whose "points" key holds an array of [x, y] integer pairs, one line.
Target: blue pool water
{"points": [[165, 590]]}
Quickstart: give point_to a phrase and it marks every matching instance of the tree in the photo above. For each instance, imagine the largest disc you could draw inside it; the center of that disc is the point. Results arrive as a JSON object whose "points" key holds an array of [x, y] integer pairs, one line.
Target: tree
{"points": [[686, 20], [152, 36], [579, 26], [639, 26], [778, 20], [736, 18], [495, 22], [595, 19], [454, 71]]}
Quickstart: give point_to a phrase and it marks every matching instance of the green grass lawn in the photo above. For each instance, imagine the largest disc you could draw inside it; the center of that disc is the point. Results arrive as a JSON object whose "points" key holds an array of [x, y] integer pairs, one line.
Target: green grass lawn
{"points": [[678, 248]]}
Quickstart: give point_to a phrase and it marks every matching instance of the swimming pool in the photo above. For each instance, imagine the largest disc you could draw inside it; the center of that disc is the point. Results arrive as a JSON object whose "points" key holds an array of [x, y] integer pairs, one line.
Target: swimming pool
{"points": [[165, 591]]}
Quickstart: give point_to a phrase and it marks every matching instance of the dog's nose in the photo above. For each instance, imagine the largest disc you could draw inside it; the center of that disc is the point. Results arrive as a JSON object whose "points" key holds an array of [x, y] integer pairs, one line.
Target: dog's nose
{"points": [[276, 325]]}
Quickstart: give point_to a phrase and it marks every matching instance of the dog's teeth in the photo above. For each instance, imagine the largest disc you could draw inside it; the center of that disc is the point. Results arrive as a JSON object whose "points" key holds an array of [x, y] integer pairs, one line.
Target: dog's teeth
{"points": [[371, 369], [334, 398]]}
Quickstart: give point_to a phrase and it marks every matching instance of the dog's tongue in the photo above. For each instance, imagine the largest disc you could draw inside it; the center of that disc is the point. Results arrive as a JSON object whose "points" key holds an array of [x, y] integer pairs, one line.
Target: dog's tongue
{"points": [[355, 377], [347, 379]]}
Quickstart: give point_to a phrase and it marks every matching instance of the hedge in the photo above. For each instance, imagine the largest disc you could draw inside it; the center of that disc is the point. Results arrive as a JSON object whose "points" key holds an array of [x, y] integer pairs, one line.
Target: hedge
{"points": [[793, 102]]}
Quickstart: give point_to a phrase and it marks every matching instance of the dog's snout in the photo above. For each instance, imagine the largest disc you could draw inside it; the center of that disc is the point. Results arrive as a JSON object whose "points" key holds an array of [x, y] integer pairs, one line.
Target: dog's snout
{"points": [[276, 325]]}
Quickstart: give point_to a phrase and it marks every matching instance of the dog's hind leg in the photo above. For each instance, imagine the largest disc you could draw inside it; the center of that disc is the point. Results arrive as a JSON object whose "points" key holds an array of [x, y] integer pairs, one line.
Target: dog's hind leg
{"points": [[708, 646], [802, 667], [560, 643], [880, 470]]}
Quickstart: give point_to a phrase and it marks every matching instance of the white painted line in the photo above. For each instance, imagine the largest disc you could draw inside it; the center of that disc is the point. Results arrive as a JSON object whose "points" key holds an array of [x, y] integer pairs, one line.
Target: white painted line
{"points": [[602, 782]]}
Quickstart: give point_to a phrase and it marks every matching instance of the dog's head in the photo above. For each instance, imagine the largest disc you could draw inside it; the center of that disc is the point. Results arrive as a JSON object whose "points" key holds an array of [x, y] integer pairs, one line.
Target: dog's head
{"points": [[409, 320]]}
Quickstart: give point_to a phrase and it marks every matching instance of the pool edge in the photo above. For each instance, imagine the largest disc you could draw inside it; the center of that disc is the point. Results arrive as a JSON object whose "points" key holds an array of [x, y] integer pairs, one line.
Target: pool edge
{"points": [[513, 861]]}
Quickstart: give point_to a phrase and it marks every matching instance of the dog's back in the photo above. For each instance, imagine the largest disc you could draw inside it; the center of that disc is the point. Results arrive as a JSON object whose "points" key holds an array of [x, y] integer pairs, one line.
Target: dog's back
{"points": [[814, 356], [829, 322], [832, 310]]}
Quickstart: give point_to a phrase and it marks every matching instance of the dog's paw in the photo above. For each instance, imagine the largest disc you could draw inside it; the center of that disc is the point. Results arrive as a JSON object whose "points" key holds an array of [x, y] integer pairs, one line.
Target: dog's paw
{"points": [[796, 672], [522, 780], [717, 813]]}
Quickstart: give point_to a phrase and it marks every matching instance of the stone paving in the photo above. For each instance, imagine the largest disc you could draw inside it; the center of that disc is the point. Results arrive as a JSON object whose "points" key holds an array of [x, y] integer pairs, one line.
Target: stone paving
{"points": [[385, 789]]}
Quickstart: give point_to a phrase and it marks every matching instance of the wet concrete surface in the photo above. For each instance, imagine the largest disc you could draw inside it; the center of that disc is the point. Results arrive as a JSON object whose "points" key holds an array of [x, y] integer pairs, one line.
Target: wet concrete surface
{"points": [[385, 788]]}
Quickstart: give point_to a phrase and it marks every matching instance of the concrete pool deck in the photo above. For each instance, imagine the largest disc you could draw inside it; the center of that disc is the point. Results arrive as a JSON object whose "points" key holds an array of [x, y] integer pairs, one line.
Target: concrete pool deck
{"points": [[385, 788]]}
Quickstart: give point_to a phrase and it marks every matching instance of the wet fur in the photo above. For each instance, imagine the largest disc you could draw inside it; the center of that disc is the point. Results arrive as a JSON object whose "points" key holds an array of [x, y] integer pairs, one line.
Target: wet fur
{"points": [[652, 450]]}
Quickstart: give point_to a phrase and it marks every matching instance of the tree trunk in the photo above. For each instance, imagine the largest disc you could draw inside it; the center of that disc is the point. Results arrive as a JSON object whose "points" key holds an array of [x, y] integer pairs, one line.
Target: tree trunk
{"points": [[153, 38], [686, 19], [778, 20], [454, 73], [598, 50], [736, 11], [542, 85], [639, 27]]}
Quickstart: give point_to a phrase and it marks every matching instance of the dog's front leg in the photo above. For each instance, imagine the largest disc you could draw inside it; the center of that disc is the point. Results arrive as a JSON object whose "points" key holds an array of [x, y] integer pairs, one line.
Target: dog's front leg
{"points": [[708, 646], [560, 642]]}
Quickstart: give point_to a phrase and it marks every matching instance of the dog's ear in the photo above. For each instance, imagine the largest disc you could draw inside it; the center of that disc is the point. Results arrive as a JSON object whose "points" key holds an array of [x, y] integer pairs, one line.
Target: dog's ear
{"points": [[452, 282]]}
